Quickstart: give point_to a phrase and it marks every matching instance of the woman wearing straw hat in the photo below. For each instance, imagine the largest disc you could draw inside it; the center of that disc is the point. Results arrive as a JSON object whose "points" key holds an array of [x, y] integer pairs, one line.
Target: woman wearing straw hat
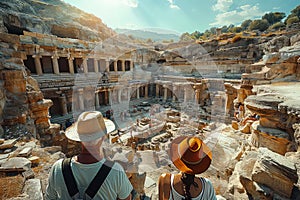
{"points": [[190, 156], [78, 177]]}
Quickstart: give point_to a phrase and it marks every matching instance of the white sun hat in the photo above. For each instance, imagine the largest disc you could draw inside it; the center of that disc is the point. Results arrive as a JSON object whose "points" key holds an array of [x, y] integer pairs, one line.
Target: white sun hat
{"points": [[89, 126]]}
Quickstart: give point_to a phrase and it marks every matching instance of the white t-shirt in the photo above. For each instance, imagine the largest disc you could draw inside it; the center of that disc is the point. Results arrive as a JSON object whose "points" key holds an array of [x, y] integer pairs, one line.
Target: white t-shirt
{"points": [[207, 193], [116, 184]]}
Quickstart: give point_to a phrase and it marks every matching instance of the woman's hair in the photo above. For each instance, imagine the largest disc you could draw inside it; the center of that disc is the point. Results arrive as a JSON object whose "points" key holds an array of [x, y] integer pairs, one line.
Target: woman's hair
{"points": [[188, 180]]}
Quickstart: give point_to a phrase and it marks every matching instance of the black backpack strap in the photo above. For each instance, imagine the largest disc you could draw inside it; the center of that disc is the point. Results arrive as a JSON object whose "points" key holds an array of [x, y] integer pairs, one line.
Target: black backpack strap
{"points": [[98, 180], [69, 177]]}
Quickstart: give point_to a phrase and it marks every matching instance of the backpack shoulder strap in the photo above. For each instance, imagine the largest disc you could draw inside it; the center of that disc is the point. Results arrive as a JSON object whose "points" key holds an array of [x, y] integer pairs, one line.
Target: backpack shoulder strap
{"points": [[164, 186], [98, 180], [69, 177]]}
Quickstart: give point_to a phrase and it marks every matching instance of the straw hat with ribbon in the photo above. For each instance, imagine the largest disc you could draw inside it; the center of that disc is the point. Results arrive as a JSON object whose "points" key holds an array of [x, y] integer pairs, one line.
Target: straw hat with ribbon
{"points": [[190, 155], [89, 126]]}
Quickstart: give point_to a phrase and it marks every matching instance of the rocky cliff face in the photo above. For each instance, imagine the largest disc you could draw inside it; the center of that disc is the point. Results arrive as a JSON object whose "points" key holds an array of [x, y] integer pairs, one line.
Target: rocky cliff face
{"points": [[52, 17], [24, 111]]}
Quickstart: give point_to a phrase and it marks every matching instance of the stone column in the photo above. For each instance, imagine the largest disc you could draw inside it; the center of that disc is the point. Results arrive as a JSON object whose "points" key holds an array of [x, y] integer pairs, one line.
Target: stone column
{"points": [[165, 93], [81, 99], [37, 63], [131, 65], [107, 65], [96, 69], [71, 65], [174, 93], [106, 97], [55, 64], [115, 65], [63, 104], [157, 91], [197, 88], [85, 67], [129, 93], [109, 97], [197, 96], [97, 104], [120, 95], [185, 94], [123, 65], [146, 91], [138, 92]]}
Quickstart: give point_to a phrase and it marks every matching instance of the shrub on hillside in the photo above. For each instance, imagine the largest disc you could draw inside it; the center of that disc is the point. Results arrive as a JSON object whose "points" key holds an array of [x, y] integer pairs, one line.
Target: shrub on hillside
{"points": [[259, 24], [292, 20], [277, 26]]}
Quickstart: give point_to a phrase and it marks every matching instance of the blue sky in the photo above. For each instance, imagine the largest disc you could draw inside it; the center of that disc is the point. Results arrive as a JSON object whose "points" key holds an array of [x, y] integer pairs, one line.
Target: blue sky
{"points": [[180, 15]]}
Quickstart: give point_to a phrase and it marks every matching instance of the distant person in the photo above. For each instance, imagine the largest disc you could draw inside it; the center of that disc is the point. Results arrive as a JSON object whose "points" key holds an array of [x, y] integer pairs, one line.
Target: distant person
{"points": [[190, 156], [88, 175]]}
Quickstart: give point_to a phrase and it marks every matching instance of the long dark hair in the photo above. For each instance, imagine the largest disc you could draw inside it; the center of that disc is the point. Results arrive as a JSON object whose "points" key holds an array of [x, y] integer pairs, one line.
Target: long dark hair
{"points": [[188, 180]]}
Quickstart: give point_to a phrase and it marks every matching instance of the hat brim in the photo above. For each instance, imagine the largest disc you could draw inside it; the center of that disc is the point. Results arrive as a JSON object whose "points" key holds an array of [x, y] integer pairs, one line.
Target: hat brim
{"points": [[72, 134], [182, 166]]}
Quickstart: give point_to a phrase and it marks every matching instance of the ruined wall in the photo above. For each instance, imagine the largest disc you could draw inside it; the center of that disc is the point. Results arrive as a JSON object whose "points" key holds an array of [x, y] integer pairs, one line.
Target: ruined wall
{"points": [[24, 111]]}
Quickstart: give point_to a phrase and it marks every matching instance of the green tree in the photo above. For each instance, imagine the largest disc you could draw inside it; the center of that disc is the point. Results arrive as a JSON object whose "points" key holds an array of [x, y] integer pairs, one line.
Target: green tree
{"points": [[277, 26], [259, 24], [294, 13], [273, 18], [185, 37], [292, 20], [196, 35], [149, 40], [245, 24], [236, 29]]}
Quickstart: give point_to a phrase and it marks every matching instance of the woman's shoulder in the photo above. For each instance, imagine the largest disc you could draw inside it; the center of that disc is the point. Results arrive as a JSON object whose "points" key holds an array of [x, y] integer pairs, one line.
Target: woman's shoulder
{"points": [[206, 181], [208, 188]]}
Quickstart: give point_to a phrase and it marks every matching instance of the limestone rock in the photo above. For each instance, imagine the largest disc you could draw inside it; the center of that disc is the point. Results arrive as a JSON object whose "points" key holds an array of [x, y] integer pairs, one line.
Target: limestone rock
{"points": [[296, 127], [33, 189], [25, 152], [240, 181], [16, 164], [35, 160], [8, 144], [235, 125], [73, 23], [276, 172], [274, 139], [295, 38], [276, 43]]}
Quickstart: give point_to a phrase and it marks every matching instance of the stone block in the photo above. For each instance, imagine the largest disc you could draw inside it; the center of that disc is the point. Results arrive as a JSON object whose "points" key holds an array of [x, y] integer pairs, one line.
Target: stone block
{"points": [[33, 188], [15, 164], [235, 125], [8, 144], [1, 141], [35, 160], [276, 172], [25, 152], [274, 139], [28, 174]]}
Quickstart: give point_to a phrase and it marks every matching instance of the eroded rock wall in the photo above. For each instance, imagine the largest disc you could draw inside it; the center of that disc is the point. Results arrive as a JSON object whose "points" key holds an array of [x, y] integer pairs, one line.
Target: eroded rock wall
{"points": [[51, 17], [24, 111]]}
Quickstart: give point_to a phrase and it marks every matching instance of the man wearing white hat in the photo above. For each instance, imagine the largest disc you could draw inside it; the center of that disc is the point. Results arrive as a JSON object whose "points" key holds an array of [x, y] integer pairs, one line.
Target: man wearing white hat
{"points": [[88, 175]]}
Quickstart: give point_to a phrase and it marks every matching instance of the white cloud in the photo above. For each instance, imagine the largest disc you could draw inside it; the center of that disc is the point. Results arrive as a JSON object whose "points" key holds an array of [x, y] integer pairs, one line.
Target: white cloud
{"points": [[131, 3], [237, 16], [173, 5], [222, 5]]}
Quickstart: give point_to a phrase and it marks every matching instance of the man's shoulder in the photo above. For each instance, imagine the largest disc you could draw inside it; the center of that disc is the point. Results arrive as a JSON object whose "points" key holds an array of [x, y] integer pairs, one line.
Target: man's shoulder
{"points": [[57, 164]]}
